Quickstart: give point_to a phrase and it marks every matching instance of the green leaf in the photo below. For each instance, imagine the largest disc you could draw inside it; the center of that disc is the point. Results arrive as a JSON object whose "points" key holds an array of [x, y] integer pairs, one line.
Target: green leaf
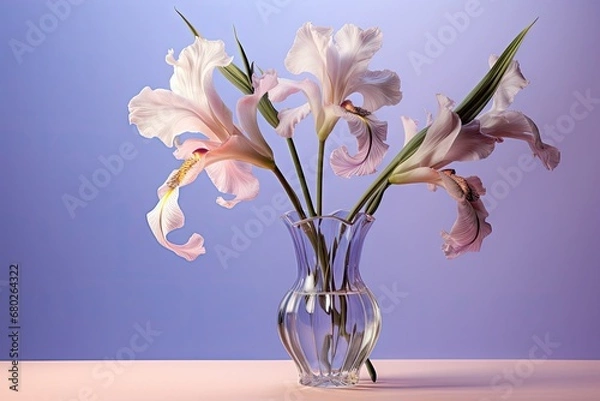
{"points": [[244, 57], [468, 110], [235, 75], [371, 370], [268, 111], [188, 23], [479, 97]]}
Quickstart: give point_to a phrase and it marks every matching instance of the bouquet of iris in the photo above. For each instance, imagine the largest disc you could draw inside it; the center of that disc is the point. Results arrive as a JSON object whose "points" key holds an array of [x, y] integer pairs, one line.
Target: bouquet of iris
{"points": [[329, 303]]}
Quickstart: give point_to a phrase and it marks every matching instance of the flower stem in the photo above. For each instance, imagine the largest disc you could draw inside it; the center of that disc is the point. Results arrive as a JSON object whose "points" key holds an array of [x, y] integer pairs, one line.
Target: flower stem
{"points": [[404, 154], [290, 192], [371, 370], [320, 178], [375, 200], [301, 176], [268, 111]]}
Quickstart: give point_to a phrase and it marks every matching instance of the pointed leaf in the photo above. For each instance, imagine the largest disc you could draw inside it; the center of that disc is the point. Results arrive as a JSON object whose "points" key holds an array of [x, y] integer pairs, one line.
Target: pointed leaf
{"points": [[244, 57], [479, 97], [188, 23], [371, 370]]}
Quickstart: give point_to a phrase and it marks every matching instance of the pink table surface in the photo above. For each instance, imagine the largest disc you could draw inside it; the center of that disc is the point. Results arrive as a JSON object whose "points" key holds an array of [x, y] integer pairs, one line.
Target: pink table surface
{"points": [[422, 380]]}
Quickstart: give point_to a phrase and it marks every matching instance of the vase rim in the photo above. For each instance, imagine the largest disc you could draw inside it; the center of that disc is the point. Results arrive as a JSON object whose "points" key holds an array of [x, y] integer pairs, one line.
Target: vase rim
{"points": [[291, 216]]}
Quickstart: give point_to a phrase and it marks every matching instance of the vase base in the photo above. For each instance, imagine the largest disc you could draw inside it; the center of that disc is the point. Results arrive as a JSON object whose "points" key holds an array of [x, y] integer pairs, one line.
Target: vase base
{"points": [[346, 380]]}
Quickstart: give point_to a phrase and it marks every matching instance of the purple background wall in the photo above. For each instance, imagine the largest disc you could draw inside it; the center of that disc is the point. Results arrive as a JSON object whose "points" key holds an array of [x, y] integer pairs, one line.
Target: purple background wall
{"points": [[92, 277]]}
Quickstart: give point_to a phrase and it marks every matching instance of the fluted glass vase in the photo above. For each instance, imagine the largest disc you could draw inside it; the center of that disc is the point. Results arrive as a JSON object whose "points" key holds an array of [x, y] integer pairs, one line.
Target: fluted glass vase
{"points": [[329, 321]]}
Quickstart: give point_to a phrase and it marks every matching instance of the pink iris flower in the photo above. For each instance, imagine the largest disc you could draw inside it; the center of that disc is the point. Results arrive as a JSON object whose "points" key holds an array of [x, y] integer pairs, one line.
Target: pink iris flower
{"points": [[448, 140], [340, 64], [226, 153]]}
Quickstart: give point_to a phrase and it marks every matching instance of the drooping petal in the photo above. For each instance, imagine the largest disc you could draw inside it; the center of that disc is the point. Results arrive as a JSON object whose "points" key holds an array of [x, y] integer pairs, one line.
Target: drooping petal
{"points": [[470, 227], [516, 125], [379, 88], [247, 111], [288, 120], [167, 217], [476, 185], [163, 114], [233, 177], [370, 135], [510, 84], [192, 79]]}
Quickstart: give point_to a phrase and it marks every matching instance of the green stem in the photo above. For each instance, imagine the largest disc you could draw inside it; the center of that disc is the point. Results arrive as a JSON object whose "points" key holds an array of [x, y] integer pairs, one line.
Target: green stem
{"points": [[320, 178], [301, 177], [375, 200], [372, 371], [270, 114], [381, 180], [290, 192]]}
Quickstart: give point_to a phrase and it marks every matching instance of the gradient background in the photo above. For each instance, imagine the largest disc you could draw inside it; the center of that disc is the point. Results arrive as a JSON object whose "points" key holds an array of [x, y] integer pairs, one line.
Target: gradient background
{"points": [[87, 279]]}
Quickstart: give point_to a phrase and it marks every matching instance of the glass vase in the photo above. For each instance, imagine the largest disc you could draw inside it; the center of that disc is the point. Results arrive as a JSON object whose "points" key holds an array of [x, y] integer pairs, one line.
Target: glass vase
{"points": [[329, 321]]}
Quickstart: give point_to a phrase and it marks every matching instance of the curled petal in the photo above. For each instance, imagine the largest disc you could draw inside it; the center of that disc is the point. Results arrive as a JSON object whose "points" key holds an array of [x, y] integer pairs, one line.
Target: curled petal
{"points": [[192, 79], [476, 185], [247, 111], [370, 135], [468, 231], [233, 177], [288, 120], [470, 227], [510, 84], [163, 114], [516, 125], [166, 217], [379, 88]]}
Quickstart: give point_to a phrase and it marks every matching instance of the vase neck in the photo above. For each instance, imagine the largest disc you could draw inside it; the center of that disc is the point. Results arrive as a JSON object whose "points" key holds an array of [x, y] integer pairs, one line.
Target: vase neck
{"points": [[328, 250]]}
